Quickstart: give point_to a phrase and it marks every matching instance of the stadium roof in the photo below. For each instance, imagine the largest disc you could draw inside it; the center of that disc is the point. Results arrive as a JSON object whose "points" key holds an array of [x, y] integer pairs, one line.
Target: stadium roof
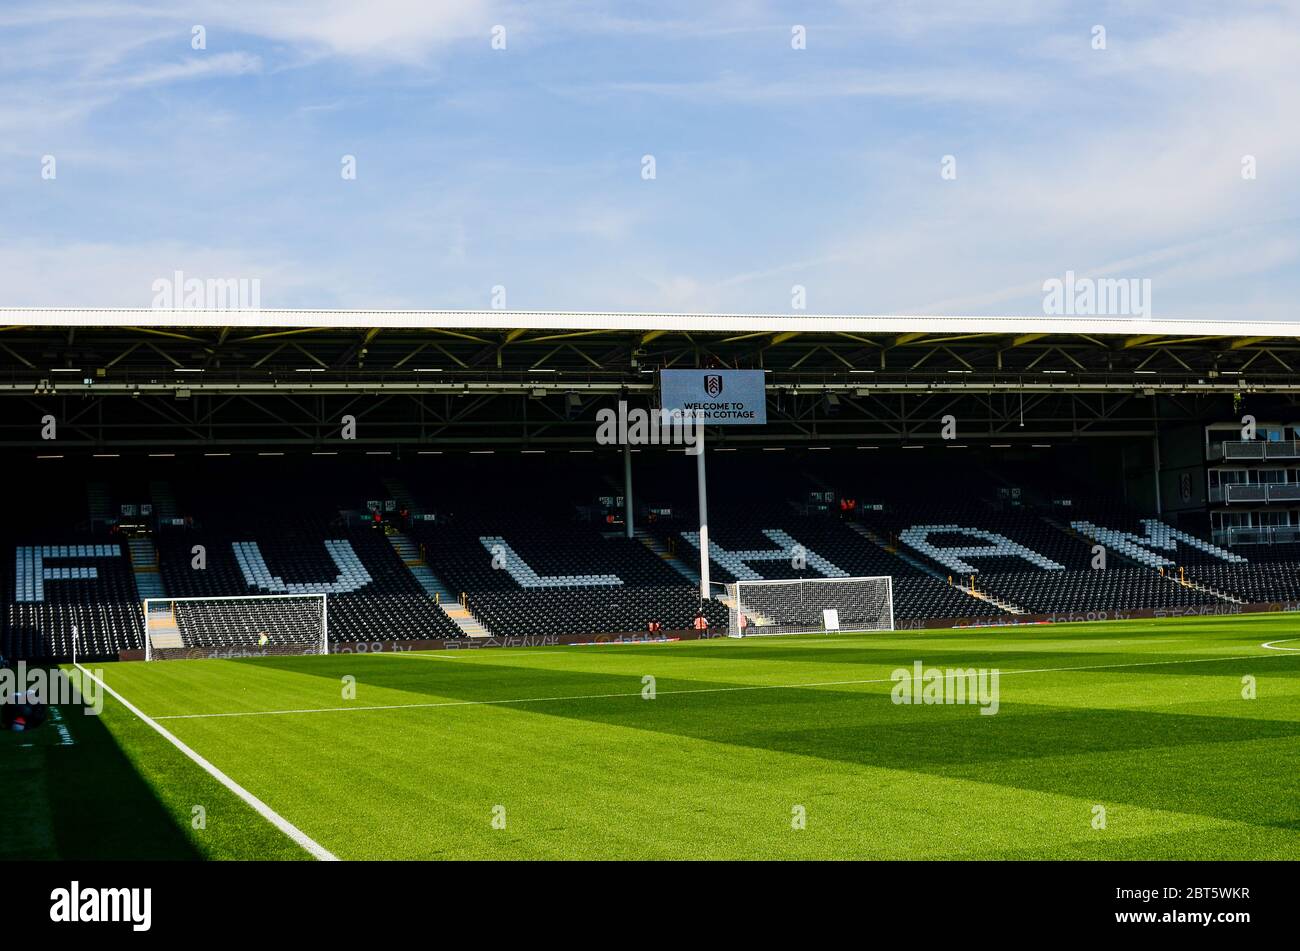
{"points": [[648, 321], [218, 378], [141, 350]]}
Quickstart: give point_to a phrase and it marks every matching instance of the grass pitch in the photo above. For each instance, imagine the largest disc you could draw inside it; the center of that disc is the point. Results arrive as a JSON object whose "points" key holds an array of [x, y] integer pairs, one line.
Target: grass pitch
{"points": [[561, 747]]}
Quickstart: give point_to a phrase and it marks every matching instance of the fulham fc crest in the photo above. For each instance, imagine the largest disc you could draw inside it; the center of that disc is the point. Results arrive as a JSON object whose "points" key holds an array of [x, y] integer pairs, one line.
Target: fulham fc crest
{"points": [[713, 384]]}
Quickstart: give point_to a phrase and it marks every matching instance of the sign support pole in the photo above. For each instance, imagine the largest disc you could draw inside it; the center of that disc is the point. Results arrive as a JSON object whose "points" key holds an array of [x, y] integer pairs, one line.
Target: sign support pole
{"points": [[702, 484], [627, 488]]}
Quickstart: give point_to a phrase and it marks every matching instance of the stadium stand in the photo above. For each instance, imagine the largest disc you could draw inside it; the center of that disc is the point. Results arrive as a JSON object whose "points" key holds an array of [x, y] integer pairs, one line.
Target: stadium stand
{"points": [[530, 553]]}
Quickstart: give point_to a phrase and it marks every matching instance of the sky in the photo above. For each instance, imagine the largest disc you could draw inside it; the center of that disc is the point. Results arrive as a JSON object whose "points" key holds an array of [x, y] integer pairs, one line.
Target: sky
{"points": [[519, 175]]}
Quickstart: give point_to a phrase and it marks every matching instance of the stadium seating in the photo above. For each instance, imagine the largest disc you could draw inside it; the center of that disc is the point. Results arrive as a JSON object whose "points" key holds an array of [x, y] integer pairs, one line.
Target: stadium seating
{"points": [[532, 556], [1047, 566], [1272, 573], [251, 626], [54, 588], [373, 596], [551, 577], [748, 529]]}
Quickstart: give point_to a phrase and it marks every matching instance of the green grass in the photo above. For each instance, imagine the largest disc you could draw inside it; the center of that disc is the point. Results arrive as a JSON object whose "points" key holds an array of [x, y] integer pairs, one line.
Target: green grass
{"points": [[1151, 724]]}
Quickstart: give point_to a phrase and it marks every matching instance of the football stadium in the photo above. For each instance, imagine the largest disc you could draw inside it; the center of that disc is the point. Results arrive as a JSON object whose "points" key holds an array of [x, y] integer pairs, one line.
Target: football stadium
{"points": [[317, 585], [574, 467]]}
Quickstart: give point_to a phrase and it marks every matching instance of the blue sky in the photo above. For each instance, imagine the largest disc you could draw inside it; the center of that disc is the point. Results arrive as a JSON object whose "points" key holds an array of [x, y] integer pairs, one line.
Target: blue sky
{"points": [[522, 167]]}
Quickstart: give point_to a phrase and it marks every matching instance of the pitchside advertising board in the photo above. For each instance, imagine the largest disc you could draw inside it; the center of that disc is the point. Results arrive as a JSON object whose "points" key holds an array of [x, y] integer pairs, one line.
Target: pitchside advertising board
{"points": [[719, 397]]}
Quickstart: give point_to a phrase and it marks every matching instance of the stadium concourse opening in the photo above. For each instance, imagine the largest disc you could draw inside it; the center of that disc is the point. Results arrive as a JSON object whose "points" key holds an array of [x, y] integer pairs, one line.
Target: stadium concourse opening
{"points": [[438, 479]]}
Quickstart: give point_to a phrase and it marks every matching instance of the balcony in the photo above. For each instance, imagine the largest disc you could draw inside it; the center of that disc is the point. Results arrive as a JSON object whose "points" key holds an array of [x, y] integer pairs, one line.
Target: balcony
{"points": [[1262, 535], [1254, 449], [1259, 492], [1245, 493]]}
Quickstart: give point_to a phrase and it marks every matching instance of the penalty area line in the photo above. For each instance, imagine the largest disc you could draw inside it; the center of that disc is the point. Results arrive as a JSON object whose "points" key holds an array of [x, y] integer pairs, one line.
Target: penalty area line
{"points": [[301, 838], [661, 693]]}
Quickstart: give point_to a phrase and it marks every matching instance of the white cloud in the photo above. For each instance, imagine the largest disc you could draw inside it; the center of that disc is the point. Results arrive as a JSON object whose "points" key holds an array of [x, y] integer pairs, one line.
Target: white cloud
{"points": [[205, 67], [382, 30]]}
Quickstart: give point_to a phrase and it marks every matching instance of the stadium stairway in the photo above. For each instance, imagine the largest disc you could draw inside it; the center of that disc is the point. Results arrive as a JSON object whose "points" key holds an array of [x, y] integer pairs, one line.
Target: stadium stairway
{"points": [[1197, 586], [409, 552], [162, 628], [99, 501], [466, 621], [659, 548], [164, 502], [406, 549], [991, 599], [817, 482], [875, 539], [400, 494], [144, 567]]}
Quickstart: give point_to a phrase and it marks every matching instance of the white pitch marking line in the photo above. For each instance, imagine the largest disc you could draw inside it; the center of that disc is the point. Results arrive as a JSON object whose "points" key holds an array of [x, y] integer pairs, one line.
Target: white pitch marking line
{"points": [[265, 811], [1285, 640], [607, 696]]}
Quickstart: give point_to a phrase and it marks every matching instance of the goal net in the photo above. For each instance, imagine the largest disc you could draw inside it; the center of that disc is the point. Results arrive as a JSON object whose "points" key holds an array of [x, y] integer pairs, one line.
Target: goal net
{"points": [[247, 626], [805, 606]]}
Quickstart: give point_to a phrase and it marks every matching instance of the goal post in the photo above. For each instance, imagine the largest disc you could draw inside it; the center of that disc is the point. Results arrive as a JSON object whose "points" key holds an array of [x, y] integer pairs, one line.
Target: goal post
{"points": [[255, 625], [810, 605]]}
